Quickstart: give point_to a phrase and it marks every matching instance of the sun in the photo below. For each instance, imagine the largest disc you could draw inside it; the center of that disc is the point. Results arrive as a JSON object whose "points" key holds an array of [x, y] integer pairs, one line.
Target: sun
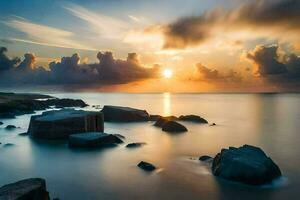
{"points": [[168, 73]]}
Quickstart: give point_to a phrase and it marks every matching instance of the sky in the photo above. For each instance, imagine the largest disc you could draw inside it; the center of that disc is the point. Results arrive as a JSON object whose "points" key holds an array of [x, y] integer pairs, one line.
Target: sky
{"points": [[151, 46]]}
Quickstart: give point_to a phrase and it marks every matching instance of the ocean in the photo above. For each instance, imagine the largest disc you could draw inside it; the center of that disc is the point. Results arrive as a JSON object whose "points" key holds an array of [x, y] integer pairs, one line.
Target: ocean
{"points": [[269, 121]]}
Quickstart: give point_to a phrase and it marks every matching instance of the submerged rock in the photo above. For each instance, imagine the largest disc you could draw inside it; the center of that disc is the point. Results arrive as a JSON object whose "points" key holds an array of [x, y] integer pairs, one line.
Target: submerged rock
{"points": [[146, 166], [135, 144], [28, 189], [59, 124], [193, 118], [124, 114], [10, 127], [173, 127], [213, 124], [246, 164], [1, 123], [205, 158], [93, 140], [8, 145]]}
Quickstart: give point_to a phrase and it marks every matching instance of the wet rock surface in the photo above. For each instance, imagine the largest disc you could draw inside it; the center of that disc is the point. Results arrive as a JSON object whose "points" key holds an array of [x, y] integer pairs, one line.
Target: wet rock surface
{"points": [[205, 158], [246, 164], [10, 127], [93, 140], [59, 124], [173, 127], [193, 118], [28, 189], [124, 114], [146, 166], [135, 144]]}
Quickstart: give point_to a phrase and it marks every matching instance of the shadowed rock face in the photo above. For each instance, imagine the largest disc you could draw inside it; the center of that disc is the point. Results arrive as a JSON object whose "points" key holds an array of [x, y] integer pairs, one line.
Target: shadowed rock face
{"points": [[62, 123], [28, 189], [246, 164], [146, 166], [173, 127], [124, 114], [193, 118], [93, 140]]}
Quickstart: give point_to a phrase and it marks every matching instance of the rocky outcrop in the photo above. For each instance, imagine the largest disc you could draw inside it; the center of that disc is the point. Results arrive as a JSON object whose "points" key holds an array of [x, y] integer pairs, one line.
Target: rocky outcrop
{"points": [[59, 124], [173, 127], [205, 158], [10, 127], [135, 144], [93, 140], [146, 166], [28, 189], [246, 164], [64, 103], [124, 114], [193, 118]]}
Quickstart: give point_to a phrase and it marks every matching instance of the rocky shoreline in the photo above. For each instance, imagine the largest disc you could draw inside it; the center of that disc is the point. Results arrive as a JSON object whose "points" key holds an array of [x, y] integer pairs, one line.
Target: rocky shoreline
{"points": [[86, 129]]}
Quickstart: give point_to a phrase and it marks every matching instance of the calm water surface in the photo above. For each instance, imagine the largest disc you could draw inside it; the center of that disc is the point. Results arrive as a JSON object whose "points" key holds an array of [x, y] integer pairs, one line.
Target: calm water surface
{"points": [[270, 121]]}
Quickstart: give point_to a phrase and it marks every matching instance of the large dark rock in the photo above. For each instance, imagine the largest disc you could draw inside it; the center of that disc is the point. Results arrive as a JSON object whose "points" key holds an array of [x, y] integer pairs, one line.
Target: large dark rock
{"points": [[64, 103], [59, 124], [93, 140], [162, 120], [193, 118], [146, 166], [10, 127], [1, 123], [173, 127], [124, 114], [246, 164], [28, 189]]}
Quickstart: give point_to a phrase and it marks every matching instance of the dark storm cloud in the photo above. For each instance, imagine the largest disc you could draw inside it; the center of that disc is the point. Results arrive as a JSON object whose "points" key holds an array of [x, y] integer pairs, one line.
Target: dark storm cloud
{"points": [[69, 70], [213, 75], [189, 31]]}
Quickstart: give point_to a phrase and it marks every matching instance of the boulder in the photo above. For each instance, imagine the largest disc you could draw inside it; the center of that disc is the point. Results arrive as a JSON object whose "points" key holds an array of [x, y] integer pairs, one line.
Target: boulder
{"points": [[205, 158], [135, 144], [173, 127], [193, 118], [146, 166], [64, 103], [10, 127], [246, 164], [93, 140], [28, 189], [59, 124], [160, 122], [124, 114]]}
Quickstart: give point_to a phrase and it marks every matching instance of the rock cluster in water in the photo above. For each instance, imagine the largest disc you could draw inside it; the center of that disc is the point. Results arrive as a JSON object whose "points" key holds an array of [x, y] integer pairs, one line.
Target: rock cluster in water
{"points": [[62, 123], [246, 164], [28, 189]]}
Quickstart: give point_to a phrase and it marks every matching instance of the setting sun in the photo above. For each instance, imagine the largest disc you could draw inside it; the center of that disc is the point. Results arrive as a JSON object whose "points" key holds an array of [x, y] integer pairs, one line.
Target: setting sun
{"points": [[167, 73]]}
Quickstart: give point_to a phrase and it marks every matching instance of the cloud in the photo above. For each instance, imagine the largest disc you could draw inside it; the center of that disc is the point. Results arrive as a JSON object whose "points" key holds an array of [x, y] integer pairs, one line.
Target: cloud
{"points": [[45, 35], [214, 76], [69, 71], [104, 26], [281, 16]]}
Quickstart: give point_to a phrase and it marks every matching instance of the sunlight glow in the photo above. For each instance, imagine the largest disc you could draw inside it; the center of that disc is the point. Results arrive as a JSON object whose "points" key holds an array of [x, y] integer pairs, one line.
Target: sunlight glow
{"points": [[168, 73]]}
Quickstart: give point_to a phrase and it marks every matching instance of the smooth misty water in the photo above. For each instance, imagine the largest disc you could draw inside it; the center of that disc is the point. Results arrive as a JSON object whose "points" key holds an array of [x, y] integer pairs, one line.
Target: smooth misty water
{"points": [[270, 121]]}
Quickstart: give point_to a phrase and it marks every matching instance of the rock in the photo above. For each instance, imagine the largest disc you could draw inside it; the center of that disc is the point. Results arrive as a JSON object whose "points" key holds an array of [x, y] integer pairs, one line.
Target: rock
{"points": [[93, 140], [59, 124], [64, 103], [28, 189], [173, 127], [154, 117], [135, 144], [213, 124], [120, 136], [146, 166], [193, 118], [124, 114], [23, 134], [10, 127], [246, 164], [8, 145], [1, 123], [160, 122], [205, 158]]}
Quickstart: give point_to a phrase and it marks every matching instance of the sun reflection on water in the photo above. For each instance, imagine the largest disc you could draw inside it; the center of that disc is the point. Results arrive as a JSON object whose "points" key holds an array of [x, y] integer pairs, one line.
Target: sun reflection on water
{"points": [[167, 103]]}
